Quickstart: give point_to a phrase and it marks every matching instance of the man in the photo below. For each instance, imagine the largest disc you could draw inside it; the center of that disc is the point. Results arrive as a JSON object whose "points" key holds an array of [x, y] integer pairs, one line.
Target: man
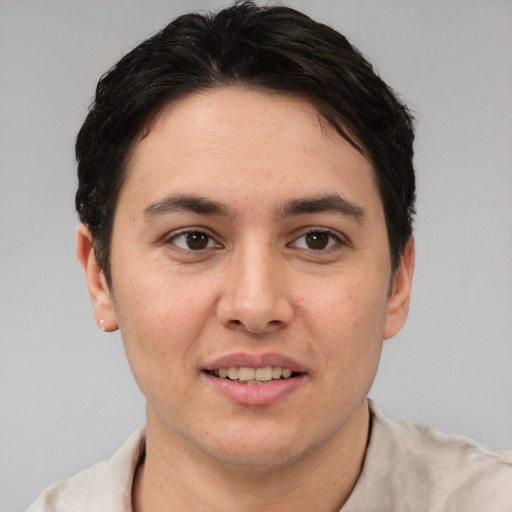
{"points": [[246, 192]]}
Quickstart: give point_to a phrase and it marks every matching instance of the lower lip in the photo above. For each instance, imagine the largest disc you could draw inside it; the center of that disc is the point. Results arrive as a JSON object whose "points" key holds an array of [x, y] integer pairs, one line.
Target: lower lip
{"points": [[256, 394]]}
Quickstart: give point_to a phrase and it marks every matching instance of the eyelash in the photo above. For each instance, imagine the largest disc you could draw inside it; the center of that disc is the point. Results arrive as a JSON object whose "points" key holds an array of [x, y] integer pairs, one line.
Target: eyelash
{"points": [[333, 241], [188, 232]]}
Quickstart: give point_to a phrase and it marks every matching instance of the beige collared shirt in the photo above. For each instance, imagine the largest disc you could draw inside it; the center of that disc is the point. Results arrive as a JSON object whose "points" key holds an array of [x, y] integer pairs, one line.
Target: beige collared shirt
{"points": [[407, 467]]}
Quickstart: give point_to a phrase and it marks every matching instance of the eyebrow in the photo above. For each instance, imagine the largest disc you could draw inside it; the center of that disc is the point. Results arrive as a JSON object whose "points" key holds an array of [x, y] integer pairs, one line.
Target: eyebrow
{"points": [[322, 204], [293, 207], [186, 203]]}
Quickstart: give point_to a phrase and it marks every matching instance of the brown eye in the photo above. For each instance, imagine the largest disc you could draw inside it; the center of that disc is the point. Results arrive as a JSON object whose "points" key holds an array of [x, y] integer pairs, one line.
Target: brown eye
{"points": [[197, 240], [317, 240], [193, 240]]}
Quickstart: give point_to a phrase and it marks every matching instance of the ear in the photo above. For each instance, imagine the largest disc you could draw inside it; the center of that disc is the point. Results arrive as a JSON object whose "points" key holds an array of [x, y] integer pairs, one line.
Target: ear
{"points": [[99, 292], [398, 303]]}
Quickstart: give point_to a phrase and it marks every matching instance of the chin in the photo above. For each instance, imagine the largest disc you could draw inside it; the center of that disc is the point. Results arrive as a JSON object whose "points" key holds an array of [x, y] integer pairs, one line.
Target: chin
{"points": [[257, 458], [259, 448]]}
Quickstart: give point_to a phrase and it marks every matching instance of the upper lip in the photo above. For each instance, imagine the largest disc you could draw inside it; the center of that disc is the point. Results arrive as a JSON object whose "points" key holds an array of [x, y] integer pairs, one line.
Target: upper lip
{"points": [[248, 360]]}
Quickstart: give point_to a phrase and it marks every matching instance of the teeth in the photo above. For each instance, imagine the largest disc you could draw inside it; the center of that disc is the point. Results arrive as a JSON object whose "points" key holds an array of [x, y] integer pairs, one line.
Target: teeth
{"points": [[276, 372], [246, 373], [286, 373], [263, 373], [253, 375]]}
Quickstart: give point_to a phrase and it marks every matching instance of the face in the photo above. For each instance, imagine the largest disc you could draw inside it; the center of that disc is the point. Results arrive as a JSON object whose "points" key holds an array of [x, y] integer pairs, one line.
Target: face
{"points": [[251, 277]]}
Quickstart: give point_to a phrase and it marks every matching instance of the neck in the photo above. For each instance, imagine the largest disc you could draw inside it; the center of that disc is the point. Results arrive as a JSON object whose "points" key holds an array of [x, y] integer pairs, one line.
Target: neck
{"points": [[172, 478]]}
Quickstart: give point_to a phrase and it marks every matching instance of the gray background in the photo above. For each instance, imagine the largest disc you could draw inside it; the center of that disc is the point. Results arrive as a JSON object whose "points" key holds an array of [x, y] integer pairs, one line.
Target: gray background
{"points": [[66, 394]]}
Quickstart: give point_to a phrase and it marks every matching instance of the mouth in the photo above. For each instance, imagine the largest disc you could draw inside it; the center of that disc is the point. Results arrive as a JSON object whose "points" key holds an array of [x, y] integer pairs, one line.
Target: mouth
{"points": [[254, 376], [255, 379]]}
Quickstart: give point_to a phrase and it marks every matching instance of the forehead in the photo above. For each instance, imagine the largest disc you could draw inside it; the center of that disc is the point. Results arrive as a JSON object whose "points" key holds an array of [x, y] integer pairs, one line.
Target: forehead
{"points": [[249, 140], [224, 118]]}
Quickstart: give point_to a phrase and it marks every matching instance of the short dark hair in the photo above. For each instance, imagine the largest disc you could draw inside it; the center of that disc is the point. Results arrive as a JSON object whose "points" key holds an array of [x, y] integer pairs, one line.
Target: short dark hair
{"points": [[272, 48]]}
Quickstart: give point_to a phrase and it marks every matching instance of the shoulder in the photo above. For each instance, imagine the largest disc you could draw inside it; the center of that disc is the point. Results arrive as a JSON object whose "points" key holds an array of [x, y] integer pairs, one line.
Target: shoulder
{"points": [[413, 463], [433, 447], [106, 486]]}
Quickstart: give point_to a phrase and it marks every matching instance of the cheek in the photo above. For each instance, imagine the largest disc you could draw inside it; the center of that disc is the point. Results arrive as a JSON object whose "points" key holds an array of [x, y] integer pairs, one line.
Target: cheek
{"points": [[160, 319], [160, 331], [348, 318], [349, 304]]}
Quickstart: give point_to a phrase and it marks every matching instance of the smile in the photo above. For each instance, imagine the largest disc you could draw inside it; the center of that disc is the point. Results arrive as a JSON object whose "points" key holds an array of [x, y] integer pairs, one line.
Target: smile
{"points": [[251, 376], [255, 379]]}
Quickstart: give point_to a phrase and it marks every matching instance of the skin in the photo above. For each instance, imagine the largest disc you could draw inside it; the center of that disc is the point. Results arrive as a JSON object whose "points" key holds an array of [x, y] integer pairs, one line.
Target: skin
{"points": [[259, 286]]}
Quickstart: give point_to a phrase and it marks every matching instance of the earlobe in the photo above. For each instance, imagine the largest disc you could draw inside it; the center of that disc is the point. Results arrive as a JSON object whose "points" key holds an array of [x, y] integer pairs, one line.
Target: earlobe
{"points": [[398, 304], [99, 292]]}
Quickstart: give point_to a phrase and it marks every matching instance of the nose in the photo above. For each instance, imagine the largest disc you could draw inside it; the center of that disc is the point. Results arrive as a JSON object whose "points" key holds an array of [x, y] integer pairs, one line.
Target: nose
{"points": [[255, 296]]}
